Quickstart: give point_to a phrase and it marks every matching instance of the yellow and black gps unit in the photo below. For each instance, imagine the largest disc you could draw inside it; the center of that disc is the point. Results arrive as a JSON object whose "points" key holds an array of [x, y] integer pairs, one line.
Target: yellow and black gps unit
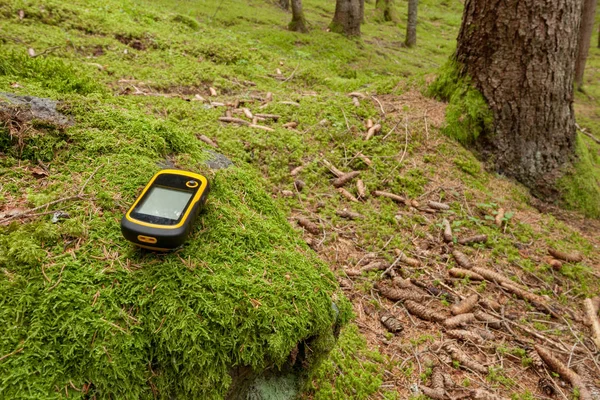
{"points": [[163, 215]]}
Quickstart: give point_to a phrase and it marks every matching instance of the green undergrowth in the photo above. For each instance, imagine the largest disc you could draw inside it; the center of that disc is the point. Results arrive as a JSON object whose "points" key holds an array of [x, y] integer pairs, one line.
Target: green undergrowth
{"points": [[352, 371], [581, 186], [80, 307], [467, 114]]}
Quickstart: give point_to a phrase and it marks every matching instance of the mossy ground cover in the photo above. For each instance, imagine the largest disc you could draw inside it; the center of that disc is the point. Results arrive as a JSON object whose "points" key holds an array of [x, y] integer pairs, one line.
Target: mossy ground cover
{"points": [[243, 258]]}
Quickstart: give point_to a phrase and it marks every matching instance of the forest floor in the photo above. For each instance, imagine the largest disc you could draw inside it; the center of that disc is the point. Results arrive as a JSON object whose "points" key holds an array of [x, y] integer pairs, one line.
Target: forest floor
{"points": [[189, 65]]}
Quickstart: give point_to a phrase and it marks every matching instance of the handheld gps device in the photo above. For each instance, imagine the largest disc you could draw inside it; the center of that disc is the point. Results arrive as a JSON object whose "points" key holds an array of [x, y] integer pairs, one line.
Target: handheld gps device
{"points": [[162, 216]]}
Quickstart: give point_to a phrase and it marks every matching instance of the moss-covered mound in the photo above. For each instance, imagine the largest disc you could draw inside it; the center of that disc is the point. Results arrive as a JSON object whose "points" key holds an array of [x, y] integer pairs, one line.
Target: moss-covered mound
{"points": [[83, 313]]}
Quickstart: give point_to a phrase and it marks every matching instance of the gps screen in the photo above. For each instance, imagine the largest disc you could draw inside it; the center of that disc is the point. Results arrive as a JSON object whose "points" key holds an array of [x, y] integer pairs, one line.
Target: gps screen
{"points": [[164, 203]]}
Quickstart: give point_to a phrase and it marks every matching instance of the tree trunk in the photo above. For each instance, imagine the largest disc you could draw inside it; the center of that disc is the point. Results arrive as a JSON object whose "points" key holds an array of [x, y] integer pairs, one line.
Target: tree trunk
{"points": [[520, 54], [347, 17], [585, 37], [298, 23], [411, 26], [285, 4], [386, 11]]}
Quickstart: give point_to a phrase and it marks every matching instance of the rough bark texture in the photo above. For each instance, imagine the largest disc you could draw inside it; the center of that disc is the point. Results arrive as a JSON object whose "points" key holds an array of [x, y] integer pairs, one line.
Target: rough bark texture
{"points": [[585, 37], [411, 26], [520, 54], [347, 17], [298, 23], [386, 10], [285, 4]]}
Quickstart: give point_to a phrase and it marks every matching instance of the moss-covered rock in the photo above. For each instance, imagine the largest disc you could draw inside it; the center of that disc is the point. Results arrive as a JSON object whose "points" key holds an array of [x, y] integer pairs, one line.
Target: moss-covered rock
{"points": [[84, 313]]}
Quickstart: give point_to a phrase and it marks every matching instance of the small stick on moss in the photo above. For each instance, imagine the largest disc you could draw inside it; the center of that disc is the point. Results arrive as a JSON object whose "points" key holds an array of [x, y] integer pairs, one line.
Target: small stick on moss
{"points": [[438, 206], [332, 168], [234, 120], [274, 117], [361, 189], [17, 351], [499, 217], [458, 320], [347, 195], [348, 214], [347, 177], [591, 313], [207, 140], [407, 260], [569, 375], [394, 197], [262, 127], [447, 231], [31, 211], [423, 312], [464, 273], [308, 225], [473, 239], [465, 306], [569, 257]]}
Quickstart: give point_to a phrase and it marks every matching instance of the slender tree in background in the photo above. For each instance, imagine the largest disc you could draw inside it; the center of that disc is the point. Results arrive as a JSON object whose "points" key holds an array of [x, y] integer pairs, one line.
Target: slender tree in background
{"points": [[298, 23], [588, 13], [520, 54], [348, 17], [411, 26], [285, 4], [386, 10]]}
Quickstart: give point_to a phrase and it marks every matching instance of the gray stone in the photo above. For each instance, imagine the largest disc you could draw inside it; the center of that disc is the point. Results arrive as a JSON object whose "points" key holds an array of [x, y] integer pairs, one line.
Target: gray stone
{"points": [[34, 108], [217, 161]]}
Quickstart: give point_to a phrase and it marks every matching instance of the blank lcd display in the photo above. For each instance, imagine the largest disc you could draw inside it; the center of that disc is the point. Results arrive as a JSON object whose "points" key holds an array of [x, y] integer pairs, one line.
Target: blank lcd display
{"points": [[164, 203]]}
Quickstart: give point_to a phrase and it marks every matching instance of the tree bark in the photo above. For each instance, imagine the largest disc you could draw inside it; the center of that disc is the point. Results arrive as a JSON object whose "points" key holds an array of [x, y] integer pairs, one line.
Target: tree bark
{"points": [[585, 37], [285, 4], [386, 10], [347, 17], [298, 23], [411, 26], [520, 54]]}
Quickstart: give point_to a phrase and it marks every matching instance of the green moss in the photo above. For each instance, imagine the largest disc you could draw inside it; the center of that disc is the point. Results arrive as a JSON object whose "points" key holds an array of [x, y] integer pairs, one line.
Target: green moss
{"points": [[467, 114], [352, 371], [581, 186]]}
